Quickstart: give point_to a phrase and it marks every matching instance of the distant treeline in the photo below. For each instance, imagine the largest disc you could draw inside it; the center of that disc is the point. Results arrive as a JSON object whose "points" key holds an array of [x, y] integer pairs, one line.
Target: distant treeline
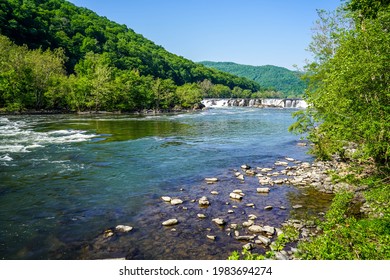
{"points": [[288, 83], [55, 55]]}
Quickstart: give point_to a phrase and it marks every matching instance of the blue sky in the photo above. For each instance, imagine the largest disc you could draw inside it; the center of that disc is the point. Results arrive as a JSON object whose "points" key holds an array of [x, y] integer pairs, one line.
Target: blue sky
{"points": [[254, 32]]}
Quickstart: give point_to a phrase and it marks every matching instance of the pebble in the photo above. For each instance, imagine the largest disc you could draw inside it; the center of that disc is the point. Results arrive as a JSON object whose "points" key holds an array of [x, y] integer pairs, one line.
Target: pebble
{"points": [[289, 159], [282, 256], [256, 228], [297, 206], [268, 207], [250, 205], [250, 172], [279, 181], [166, 198], [203, 201], [230, 211], [176, 201], [211, 180], [235, 196], [240, 177], [281, 163], [245, 237], [219, 221], [170, 222], [248, 223], [214, 192], [211, 237], [252, 217], [108, 233], [248, 246], [234, 226], [201, 216], [269, 230], [123, 228], [266, 169], [263, 190], [264, 240], [245, 166]]}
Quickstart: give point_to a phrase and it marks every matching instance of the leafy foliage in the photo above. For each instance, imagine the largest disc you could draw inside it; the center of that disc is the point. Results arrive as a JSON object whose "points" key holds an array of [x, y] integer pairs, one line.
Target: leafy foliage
{"points": [[59, 24], [73, 59], [349, 95], [349, 88], [348, 238], [288, 82]]}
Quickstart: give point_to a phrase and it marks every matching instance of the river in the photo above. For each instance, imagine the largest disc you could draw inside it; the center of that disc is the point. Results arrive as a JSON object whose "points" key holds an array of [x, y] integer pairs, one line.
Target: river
{"points": [[67, 179]]}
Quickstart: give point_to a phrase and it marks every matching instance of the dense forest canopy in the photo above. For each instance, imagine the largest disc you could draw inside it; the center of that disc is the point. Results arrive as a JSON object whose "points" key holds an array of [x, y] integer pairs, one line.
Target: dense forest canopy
{"points": [[279, 79], [99, 64]]}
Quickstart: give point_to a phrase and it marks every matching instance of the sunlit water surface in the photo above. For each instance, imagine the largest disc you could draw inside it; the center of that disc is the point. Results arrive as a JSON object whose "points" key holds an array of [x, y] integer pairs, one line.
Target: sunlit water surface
{"points": [[65, 179]]}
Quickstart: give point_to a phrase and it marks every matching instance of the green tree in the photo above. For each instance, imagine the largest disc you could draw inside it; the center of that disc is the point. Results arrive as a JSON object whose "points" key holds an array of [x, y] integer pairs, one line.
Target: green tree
{"points": [[95, 71], [189, 95], [164, 93], [349, 92]]}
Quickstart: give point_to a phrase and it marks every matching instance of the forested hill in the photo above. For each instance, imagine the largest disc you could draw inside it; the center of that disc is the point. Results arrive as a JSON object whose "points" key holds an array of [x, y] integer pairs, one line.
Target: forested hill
{"points": [[272, 77], [103, 61], [58, 23]]}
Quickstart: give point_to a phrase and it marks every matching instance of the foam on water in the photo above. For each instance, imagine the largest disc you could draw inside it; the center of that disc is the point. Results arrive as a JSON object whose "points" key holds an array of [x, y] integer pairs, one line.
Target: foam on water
{"points": [[20, 137]]}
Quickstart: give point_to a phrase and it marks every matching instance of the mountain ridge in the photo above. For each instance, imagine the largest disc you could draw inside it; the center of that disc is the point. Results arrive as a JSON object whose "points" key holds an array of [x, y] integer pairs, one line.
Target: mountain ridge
{"points": [[268, 76]]}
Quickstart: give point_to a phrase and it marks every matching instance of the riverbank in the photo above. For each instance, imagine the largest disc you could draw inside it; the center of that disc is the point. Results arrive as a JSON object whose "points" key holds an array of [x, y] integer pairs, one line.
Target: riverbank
{"points": [[356, 226]]}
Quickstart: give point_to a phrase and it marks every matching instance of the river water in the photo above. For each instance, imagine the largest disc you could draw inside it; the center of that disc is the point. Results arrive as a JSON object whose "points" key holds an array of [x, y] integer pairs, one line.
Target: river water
{"points": [[67, 179]]}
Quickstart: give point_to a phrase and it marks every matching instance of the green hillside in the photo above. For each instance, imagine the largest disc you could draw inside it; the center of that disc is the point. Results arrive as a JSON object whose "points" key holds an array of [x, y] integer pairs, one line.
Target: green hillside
{"points": [[94, 52], [272, 77]]}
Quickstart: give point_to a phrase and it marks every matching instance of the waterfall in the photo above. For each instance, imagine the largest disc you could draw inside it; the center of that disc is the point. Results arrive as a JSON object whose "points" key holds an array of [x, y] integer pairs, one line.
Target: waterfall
{"points": [[261, 103]]}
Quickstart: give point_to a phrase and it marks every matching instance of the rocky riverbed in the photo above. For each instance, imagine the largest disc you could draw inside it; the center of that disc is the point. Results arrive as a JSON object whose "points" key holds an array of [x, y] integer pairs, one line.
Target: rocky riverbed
{"points": [[246, 208]]}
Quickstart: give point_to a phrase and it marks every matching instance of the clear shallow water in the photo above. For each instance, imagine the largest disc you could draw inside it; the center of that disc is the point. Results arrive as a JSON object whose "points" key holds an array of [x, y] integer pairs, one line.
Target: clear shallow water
{"points": [[66, 179]]}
